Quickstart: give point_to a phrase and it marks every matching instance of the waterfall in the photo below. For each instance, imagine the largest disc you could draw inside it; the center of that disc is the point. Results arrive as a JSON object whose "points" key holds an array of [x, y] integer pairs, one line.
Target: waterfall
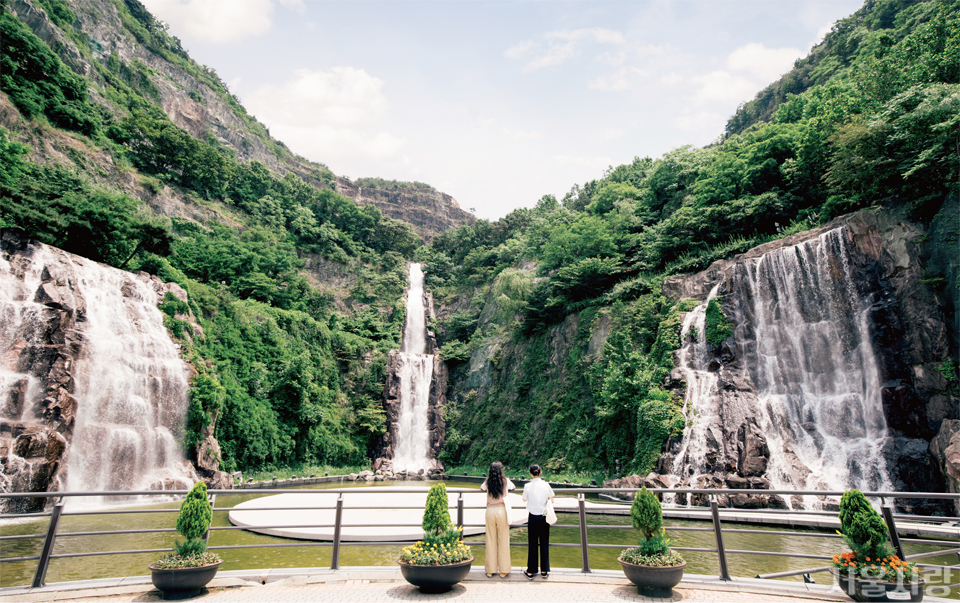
{"points": [[816, 373], [699, 407], [129, 382], [415, 374], [803, 336]]}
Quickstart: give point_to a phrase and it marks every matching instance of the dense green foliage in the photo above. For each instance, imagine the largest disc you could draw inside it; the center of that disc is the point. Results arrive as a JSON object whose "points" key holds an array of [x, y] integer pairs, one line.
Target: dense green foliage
{"points": [[869, 119], [39, 83], [390, 185], [716, 325]]}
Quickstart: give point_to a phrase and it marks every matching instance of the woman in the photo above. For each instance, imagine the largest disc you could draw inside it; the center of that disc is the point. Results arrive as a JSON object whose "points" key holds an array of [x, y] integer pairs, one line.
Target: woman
{"points": [[537, 493], [498, 524]]}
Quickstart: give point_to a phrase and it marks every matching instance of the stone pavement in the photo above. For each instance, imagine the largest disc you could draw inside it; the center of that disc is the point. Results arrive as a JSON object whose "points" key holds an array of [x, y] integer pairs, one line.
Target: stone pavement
{"points": [[385, 584]]}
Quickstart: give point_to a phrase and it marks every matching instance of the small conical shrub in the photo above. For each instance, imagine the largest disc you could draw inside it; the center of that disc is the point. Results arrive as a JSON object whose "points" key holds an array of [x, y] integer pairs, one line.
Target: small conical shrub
{"points": [[436, 514], [646, 514], [862, 527], [195, 515]]}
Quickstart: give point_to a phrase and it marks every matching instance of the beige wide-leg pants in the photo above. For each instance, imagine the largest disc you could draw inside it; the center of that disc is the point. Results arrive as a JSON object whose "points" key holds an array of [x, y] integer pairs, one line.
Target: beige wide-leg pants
{"points": [[498, 541]]}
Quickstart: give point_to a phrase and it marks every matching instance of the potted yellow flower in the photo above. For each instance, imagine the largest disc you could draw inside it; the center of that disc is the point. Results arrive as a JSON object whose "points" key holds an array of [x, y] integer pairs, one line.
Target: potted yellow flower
{"points": [[871, 571], [182, 574], [441, 560]]}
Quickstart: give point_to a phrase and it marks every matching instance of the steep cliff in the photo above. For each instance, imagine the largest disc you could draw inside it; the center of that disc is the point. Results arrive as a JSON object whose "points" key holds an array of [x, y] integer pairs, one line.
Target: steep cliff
{"points": [[121, 36], [429, 211]]}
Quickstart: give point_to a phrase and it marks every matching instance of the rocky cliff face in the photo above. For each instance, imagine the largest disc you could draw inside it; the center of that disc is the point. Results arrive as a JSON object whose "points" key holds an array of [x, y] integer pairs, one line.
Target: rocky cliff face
{"points": [[429, 211], [910, 345], [93, 390]]}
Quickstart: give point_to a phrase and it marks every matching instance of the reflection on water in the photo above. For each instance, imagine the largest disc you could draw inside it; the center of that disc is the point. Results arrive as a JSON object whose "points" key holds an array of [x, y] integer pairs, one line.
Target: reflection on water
{"points": [[83, 568]]}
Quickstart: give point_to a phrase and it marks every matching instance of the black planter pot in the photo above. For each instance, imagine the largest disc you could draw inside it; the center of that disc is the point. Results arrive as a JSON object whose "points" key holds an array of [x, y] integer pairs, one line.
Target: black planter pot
{"points": [[435, 578], [184, 582], [654, 581], [866, 589]]}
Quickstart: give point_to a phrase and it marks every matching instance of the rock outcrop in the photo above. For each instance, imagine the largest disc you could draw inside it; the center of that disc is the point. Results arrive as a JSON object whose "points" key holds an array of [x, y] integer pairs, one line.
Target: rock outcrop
{"points": [[429, 211]]}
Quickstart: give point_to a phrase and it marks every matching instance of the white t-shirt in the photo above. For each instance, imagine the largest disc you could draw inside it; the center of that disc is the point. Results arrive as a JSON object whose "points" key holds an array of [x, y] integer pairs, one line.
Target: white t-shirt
{"points": [[537, 492]]}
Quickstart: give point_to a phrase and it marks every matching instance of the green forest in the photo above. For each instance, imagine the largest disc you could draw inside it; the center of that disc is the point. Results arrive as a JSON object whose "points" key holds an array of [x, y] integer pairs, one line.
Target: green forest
{"points": [[295, 376]]}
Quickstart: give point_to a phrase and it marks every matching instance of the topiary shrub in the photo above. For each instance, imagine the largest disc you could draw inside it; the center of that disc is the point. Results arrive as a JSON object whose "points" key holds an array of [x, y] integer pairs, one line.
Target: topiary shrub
{"points": [[442, 544], [647, 516], [862, 527], [436, 514], [192, 523]]}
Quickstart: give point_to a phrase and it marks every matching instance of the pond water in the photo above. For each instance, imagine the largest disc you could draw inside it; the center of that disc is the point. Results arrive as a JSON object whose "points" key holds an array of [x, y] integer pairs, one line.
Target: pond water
{"points": [[306, 554]]}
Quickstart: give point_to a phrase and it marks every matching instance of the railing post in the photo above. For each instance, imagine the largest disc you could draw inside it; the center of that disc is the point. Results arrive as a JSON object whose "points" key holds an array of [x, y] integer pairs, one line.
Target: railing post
{"points": [[721, 552], [213, 503], [47, 550], [460, 514], [584, 551], [892, 528], [338, 523]]}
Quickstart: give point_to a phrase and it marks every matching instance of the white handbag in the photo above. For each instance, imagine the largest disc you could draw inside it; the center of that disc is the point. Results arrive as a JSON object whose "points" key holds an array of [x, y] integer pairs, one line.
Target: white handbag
{"points": [[551, 515]]}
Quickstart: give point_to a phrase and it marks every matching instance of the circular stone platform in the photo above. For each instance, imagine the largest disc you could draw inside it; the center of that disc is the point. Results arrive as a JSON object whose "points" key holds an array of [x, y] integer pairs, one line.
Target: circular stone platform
{"points": [[387, 524]]}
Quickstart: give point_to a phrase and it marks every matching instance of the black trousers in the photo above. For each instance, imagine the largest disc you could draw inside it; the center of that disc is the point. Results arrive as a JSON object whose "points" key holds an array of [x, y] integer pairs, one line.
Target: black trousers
{"points": [[538, 540]]}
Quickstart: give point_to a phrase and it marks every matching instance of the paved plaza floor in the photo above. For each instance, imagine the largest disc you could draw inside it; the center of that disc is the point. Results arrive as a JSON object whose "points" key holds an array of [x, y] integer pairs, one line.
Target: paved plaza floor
{"points": [[387, 585]]}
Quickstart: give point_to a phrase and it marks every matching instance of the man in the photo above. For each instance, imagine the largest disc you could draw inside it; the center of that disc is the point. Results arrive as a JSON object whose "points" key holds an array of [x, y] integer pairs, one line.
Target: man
{"points": [[537, 493]]}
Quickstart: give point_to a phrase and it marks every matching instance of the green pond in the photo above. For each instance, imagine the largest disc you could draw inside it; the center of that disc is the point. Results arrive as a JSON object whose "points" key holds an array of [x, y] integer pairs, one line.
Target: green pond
{"points": [[304, 556]]}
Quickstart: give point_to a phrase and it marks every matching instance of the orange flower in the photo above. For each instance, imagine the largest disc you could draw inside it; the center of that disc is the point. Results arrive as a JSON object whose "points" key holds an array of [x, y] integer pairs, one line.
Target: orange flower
{"points": [[868, 560]]}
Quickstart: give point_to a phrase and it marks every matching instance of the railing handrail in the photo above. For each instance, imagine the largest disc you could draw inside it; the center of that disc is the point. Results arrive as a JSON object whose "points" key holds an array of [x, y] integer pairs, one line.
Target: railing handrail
{"points": [[394, 490], [581, 510]]}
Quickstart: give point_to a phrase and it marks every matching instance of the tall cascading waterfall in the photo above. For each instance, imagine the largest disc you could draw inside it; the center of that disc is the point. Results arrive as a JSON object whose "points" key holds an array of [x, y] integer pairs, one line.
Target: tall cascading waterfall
{"points": [[415, 373], [699, 408], [129, 384], [803, 336]]}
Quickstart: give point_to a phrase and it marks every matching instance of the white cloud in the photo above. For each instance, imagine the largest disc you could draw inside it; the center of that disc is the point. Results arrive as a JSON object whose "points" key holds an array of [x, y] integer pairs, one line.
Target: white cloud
{"points": [[599, 35], [296, 6], [625, 78], [522, 134], [671, 79], [215, 21], [724, 87], [562, 45], [821, 34], [767, 64], [590, 163], [516, 52], [700, 121], [328, 115]]}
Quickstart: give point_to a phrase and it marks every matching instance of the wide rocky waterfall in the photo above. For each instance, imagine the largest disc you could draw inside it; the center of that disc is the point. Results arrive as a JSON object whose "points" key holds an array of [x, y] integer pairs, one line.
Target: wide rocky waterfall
{"points": [[829, 380], [805, 339], [414, 393], [94, 393]]}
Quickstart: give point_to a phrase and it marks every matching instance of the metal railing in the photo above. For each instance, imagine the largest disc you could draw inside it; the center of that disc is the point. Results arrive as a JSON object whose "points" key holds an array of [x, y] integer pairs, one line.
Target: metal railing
{"points": [[716, 517]]}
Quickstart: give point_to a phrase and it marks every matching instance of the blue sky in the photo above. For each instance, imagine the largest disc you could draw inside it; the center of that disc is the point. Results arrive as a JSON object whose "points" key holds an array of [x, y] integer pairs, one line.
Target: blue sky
{"points": [[495, 103]]}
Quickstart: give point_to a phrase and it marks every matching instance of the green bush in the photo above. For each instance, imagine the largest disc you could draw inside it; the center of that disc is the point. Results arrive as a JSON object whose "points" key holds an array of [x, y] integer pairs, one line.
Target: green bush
{"points": [[716, 325], [647, 516], [862, 527], [195, 513], [436, 514]]}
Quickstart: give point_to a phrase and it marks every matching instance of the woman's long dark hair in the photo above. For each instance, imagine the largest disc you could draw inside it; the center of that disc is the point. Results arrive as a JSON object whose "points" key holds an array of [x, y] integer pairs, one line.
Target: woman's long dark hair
{"points": [[496, 480]]}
